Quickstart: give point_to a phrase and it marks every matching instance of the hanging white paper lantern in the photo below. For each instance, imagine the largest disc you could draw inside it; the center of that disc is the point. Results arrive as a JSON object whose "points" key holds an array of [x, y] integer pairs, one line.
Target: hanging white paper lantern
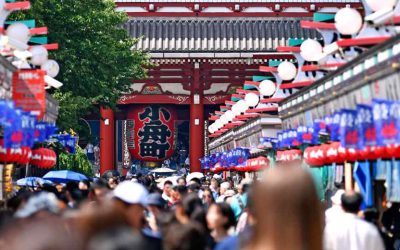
{"points": [[229, 115], [242, 106], [251, 99], [224, 120], [267, 88], [287, 71], [348, 21], [210, 130], [311, 50], [377, 5], [235, 109], [218, 124], [51, 67], [19, 32], [39, 55]]}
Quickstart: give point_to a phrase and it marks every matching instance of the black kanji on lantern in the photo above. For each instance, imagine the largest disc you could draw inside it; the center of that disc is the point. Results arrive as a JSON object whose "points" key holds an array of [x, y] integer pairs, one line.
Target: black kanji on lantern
{"points": [[154, 134]]}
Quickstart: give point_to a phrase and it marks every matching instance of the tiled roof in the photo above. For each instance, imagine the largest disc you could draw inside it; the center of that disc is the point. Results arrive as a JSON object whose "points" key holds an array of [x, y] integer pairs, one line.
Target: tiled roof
{"points": [[208, 35]]}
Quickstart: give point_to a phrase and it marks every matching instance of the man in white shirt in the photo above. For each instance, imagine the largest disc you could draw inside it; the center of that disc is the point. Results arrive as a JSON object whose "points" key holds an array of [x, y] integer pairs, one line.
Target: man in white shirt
{"points": [[336, 210], [348, 232], [222, 189]]}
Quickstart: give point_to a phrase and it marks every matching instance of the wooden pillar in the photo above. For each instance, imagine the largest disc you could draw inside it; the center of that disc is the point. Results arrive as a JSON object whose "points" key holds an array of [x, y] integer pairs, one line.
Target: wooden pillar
{"points": [[107, 140], [196, 137]]}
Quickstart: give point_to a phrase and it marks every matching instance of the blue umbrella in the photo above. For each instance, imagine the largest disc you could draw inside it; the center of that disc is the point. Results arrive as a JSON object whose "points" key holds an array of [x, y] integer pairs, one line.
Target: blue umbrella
{"points": [[64, 176], [32, 181]]}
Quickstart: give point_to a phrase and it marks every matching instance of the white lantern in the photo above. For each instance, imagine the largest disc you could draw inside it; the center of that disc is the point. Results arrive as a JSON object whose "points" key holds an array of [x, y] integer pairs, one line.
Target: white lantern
{"points": [[218, 124], [242, 106], [51, 67], [229, 115], [223, 119], [19, 32], [377, 5], [311, 50], [287, 71], [235, 109], [210, 130], [348, 21], [39, 55], [251, 99], [267, 88]]}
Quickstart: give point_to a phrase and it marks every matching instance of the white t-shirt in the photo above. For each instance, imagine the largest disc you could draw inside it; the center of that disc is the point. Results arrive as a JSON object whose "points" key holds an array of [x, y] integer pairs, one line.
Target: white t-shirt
{"points": [[348, 232]]}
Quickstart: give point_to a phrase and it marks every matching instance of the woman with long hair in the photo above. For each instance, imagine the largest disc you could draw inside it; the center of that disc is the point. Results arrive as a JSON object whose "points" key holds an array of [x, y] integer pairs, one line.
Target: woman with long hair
{"points": [[207, 198], [287, 212], [220, 218]]}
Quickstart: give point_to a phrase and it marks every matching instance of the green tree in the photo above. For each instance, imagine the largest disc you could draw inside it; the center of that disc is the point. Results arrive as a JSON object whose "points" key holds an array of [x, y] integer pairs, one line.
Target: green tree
{"points": [[95, 54]]}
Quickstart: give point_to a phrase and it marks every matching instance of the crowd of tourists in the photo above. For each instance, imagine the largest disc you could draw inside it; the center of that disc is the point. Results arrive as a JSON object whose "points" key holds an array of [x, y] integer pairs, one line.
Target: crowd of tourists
{"points": [[280, 211]]}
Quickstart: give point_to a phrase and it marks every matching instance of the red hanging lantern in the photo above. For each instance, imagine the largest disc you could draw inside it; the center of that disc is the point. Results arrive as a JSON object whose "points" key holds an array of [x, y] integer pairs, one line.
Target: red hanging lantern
{"points": [[393, 151], [364, 154], [37, 158], [352, 155], [295, 154], [306, 155], [342, 154]]}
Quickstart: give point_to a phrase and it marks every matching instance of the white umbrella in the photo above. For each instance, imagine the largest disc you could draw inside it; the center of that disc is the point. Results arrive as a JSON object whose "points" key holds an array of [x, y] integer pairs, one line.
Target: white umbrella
{"points": [[163, 171], [197, 175]]}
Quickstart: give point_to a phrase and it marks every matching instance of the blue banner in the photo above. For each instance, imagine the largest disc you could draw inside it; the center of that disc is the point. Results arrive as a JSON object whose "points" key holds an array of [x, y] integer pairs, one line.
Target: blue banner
{"points": [[365, 126], [348, 128], [386, 121]]}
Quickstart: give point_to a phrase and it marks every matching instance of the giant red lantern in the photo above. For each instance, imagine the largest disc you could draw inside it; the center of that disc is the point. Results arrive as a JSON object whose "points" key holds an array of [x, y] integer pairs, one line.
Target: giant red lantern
{"points": [[151, 132]]}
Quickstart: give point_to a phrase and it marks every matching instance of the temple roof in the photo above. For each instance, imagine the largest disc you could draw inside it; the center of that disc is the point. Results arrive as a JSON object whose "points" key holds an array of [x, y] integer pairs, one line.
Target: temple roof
{"points": [[215, 35]]}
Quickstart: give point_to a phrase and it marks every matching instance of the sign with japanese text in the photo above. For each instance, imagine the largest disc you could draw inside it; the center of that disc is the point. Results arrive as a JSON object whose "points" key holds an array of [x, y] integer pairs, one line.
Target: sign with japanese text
{"points": [[386, 115], [348, 128], [28, 91], [365, 126], [153, 132]]}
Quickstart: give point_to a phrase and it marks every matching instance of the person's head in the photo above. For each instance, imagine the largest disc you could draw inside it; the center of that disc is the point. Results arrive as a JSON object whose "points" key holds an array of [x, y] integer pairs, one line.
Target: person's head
{"points": [[351, 202], [74, 194], [112, 182], [287, 211], [188, 236], [224, 187], [220, 216], [178, 192], [214, 183], [194, 188], [181, 181], [208, 197], [84, 185], [195, 181], [155, 203], [167, 188], [131, 198], [99, 189]]}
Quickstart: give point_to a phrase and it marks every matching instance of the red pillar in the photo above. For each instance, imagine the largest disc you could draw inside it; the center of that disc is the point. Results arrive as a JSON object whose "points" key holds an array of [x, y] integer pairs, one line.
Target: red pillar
{"points": [[196, 137], [107, 140]]}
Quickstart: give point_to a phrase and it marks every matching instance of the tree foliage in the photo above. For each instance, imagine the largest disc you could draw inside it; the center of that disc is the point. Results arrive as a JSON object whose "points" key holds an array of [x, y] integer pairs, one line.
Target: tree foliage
{"points": [[77, 162], [96, 62]]}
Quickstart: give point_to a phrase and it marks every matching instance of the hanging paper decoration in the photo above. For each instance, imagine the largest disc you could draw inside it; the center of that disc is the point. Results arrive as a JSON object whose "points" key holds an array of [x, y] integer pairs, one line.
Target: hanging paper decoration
{"points": [[386, 115], [348, 128], [13, 135], [40, 132], [335, 126], [365, 126]]}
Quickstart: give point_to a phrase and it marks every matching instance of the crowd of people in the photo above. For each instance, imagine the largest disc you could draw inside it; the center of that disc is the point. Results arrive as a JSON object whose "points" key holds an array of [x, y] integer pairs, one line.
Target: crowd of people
{"points": [[281, 211]]}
